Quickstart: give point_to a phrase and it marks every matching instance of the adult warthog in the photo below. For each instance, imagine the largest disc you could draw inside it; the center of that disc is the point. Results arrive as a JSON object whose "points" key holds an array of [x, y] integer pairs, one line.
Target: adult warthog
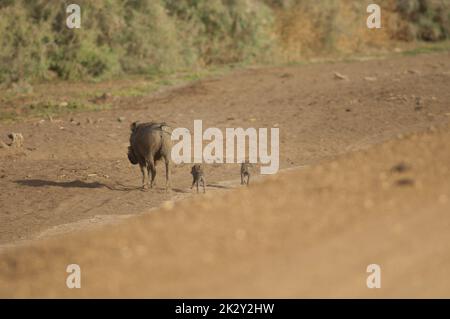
{"points": [[149, 143]]}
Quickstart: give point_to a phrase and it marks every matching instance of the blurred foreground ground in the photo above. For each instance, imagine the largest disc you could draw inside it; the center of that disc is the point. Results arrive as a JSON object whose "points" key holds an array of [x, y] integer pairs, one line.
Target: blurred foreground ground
{"points": [[304, 233]]}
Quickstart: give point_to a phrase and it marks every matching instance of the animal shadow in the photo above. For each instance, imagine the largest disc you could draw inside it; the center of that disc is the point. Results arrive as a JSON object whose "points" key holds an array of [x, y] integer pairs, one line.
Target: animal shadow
{"points": [[69, 184], [74, 184]]}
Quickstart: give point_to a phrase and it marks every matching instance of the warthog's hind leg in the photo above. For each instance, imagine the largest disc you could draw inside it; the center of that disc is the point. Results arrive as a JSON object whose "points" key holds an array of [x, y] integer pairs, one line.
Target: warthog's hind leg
{"points": [[152, 171], [144, 172], [204, 184], [167, 162]]}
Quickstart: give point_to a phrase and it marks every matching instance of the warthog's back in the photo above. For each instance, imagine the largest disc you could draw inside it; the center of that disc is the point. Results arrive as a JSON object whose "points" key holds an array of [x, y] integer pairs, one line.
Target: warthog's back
{"points": [[150, 140]]}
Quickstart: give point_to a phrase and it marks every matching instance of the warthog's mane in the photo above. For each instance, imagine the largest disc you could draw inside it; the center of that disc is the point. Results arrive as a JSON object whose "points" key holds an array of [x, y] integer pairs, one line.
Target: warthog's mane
{"points": [[153, 125]]}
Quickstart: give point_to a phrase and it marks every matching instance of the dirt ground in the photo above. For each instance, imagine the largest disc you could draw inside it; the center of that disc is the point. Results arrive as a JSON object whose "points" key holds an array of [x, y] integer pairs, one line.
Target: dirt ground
{"points": [[306, 232]]}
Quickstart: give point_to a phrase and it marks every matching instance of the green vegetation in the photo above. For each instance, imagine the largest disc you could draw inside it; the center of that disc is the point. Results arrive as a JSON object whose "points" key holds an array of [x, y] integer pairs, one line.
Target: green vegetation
{"points": [[168, 42], [49, 109], [159, 37], [150, 37]]}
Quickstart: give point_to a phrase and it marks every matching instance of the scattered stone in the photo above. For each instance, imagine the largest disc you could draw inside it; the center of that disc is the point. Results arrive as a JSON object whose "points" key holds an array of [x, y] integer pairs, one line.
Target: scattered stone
{"points": [[370, 78], [340, 76], [348, 110], [40, 122], [16, 140], [411, 71], [121, 119], [63, 104], [286, 76]]}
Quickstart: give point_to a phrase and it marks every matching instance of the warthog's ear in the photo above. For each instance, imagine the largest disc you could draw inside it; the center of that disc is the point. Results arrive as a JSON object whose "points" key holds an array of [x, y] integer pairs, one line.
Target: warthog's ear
{"points": [[133, 126]]}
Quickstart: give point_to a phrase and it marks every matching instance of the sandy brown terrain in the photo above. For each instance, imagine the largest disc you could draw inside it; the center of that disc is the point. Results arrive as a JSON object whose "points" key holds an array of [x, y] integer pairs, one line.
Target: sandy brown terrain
{"points": [[307, 232]]}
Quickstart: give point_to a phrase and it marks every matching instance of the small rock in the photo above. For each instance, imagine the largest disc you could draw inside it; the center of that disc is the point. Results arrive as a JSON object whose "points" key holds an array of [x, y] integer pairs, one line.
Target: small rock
{"points": [[370, 78], [16, 140], [121, 119], [340, 76], [411, 71]]}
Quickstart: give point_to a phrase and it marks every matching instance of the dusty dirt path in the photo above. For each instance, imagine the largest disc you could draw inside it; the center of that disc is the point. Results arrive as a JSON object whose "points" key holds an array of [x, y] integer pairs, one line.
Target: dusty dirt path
{"points": [[302, 233], [70, 173]]}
